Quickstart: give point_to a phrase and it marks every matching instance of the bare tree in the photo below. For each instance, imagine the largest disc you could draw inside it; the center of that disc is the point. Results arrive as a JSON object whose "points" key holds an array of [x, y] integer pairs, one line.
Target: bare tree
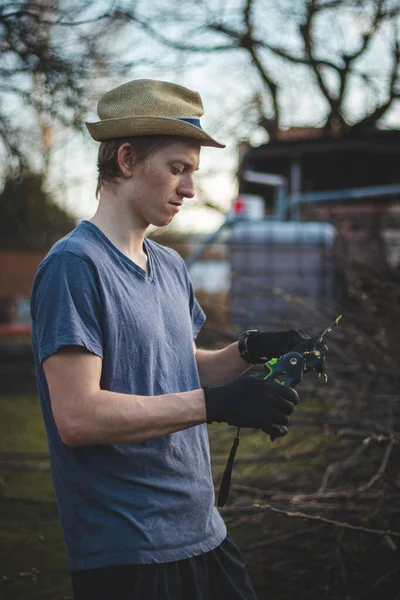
{"points": [[342, 44], [50, 51], [342, 56]]}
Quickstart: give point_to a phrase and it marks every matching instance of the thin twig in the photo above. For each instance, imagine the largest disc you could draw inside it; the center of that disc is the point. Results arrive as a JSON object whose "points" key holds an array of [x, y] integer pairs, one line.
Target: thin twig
{"points": [[300, 515], [380, 471], [275, 540], [299, 496], [343, 464]]}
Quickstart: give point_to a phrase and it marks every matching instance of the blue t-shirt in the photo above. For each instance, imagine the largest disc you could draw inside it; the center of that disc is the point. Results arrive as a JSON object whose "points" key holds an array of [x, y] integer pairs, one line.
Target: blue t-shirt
{"points": [[126, 503]]}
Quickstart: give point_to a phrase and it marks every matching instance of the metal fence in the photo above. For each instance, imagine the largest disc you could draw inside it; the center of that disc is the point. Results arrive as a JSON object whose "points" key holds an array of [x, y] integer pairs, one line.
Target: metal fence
{"points": [[269, 274]]}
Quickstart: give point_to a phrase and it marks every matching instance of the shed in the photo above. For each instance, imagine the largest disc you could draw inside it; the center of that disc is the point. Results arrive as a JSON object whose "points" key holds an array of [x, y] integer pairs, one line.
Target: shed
{"points": [[309, 163]]}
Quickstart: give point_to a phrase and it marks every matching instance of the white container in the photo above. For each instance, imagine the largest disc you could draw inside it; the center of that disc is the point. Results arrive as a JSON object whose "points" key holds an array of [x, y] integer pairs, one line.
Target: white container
{"points": [[250, 206], [276, 266], [254, 206]]}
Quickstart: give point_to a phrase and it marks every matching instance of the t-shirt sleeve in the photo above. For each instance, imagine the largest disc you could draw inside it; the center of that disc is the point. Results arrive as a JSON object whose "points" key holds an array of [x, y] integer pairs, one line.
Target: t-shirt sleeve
{"points": [[197, 314], [66, 305]]}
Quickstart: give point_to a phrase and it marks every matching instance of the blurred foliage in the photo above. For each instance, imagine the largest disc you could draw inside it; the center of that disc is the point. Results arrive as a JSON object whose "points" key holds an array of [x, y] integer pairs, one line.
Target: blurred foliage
{"points": [[49, 53], [29, 218]]}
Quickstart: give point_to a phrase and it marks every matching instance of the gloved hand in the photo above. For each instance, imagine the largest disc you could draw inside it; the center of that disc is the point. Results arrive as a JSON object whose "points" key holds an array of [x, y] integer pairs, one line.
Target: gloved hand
{"points": [[252, 402], [262, 346]]}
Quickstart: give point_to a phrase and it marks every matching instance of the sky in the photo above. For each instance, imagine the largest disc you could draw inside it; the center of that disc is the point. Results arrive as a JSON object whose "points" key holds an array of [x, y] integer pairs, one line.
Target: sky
{"points": [[224, 83]]}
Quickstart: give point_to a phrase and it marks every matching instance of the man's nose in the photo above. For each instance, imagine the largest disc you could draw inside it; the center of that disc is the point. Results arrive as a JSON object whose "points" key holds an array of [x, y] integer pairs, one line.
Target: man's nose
{"points": [[186, 186]]}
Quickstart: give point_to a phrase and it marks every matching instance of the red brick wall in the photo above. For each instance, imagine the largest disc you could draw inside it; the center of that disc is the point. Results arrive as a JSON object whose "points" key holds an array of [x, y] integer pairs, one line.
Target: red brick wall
{"points": [[17, 270]]}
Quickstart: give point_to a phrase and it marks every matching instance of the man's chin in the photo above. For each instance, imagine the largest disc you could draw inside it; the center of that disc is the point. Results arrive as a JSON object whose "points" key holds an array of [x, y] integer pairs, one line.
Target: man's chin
{"points": [[162, 222]]}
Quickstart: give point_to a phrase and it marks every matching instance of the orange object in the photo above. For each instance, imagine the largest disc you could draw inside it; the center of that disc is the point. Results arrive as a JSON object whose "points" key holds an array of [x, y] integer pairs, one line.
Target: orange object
{"points": [[15, 329]]}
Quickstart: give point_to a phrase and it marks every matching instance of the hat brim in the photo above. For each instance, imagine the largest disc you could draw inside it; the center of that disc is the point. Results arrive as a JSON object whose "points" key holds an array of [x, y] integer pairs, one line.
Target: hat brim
{"points": [[137, 126]]}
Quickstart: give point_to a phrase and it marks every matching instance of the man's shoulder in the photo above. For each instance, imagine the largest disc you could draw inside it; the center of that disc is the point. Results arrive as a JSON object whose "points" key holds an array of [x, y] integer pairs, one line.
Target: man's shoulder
{"points": [[166, 253], [81, 242], [77, 248]]}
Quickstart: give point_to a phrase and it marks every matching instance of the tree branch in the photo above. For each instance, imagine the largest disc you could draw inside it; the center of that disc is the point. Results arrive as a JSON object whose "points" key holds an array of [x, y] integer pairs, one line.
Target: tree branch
{"points": [[380, 471], [380, 110], [177, 45], [367, 37], [257, 508], [247, 15], [299, 60], [306, 34], [246, 41]]}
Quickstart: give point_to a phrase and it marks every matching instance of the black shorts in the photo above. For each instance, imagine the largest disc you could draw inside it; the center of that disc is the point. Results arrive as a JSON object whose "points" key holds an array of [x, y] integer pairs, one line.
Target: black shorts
{"points": [[216, 575]]}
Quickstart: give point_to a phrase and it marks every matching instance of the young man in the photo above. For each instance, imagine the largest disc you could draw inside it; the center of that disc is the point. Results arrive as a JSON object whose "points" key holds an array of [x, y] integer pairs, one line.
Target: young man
{"points": [[124, 391]]}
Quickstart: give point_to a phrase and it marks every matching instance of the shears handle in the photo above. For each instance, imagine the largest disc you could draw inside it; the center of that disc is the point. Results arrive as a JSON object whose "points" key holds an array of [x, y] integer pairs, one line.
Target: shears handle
{"points": [[290, 366]]}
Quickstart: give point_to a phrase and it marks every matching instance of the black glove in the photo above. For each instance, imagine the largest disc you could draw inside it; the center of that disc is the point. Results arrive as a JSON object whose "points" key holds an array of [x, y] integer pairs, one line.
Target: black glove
{"points": [[261, 346], [252, 402]]}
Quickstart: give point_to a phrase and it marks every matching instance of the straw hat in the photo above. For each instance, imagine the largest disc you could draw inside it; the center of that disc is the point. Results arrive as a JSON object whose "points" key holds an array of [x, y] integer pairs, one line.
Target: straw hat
{"points": [[150, 107]]}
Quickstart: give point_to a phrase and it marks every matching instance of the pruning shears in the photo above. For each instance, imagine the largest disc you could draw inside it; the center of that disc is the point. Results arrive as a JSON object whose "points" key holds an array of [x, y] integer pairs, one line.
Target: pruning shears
{"points": [[288, 370], [300, 360]]}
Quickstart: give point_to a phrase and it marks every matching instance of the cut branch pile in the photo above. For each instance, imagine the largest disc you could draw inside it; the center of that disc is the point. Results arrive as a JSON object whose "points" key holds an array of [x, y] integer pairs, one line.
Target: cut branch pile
{"points": [[322, 519]]}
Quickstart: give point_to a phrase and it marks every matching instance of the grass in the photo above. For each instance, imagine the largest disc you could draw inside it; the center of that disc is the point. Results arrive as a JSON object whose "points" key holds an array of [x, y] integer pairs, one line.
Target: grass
{"points": [[32, 551], [282, 461]]}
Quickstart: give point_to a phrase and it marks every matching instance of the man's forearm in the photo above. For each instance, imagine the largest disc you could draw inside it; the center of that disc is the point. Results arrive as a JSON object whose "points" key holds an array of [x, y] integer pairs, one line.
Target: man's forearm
{"points": [[112, 418], [217, 367]]}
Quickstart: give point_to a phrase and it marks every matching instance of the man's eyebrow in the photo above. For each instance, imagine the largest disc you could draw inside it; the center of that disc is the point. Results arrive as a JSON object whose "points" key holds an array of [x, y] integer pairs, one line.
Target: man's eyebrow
{"points": [[187, 164]]}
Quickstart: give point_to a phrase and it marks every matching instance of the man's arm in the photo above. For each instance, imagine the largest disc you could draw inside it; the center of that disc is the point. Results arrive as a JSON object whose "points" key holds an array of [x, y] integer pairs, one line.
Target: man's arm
{"points": [[217, 367], [86, 415]]}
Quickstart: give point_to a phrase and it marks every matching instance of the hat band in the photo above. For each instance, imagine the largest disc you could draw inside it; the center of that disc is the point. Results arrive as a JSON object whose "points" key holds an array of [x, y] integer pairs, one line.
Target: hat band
{"points": [[195, 122]]}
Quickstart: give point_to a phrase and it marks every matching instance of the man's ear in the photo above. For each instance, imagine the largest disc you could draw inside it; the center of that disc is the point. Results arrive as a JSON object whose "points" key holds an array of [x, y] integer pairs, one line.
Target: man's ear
{"points": [[125, 159]]}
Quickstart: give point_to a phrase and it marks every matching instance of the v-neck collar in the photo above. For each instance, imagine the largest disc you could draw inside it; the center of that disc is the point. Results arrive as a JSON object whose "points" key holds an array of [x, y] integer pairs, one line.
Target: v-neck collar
{"points": [[148, 276]]}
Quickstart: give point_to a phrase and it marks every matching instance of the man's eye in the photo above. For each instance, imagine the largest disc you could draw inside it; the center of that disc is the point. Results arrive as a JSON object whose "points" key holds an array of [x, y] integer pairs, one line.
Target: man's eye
{"points": [[176, 170]]}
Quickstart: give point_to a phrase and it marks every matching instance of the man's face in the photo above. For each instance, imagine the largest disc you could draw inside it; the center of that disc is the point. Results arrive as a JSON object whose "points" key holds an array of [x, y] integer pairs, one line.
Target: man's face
{"points": [[160, 185]]}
